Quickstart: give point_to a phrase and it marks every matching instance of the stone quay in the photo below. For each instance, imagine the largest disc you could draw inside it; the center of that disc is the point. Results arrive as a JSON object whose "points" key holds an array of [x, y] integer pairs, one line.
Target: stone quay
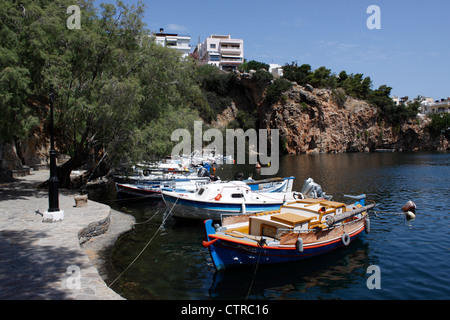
{"points": [[59, 260]]}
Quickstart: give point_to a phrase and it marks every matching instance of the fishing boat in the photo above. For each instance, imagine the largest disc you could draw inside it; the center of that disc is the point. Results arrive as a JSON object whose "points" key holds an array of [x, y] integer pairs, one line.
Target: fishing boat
{"points": [[217, 198], [152, 188], [298, 230], [271, 185], [149, 184], [139, 189]]}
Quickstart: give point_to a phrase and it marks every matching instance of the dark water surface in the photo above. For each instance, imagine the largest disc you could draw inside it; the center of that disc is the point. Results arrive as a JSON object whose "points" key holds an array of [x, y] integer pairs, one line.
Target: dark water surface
{"points": [[413, 256]]}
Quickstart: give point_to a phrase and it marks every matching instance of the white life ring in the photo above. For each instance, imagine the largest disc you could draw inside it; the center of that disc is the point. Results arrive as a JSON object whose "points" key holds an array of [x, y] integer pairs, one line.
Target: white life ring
{"points": [[345, 239], [299, 244], [367, 225]]}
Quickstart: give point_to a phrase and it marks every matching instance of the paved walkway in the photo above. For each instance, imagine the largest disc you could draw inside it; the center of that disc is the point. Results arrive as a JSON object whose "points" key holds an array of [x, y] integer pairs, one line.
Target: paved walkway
{"points": [[45, 260]]}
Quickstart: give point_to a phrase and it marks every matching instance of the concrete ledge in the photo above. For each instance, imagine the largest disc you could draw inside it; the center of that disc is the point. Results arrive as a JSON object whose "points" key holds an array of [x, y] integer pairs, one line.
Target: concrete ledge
{"points": [[94, 229], [25, 171], [41, 261]]}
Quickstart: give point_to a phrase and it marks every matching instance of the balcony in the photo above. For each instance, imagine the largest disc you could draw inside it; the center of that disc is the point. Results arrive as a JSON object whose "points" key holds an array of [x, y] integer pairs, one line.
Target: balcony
{"points": [[230, 50], [231, 59], [440, 103]]}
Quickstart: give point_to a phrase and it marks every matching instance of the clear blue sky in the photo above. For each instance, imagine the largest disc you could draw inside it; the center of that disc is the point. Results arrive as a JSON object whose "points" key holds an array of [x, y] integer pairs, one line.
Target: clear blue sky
{"points": [[410, 53]]}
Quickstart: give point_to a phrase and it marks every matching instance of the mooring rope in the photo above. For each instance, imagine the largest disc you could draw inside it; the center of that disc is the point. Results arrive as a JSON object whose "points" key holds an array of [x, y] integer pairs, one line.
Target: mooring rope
{"points": [[145, 247], [389, 212], [260, 244], [147, 220], [129, 199]]}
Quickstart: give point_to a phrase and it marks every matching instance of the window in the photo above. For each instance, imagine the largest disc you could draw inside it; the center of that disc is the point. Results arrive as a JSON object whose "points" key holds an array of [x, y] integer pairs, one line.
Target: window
{"points": [[268, 231], [212, 46], [237, 195], [200, 192]]}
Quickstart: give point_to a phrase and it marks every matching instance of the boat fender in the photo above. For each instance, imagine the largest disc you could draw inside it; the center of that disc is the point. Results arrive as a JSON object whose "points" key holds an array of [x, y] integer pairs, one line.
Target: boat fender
{"points": [[207, 244], [367, 225], [218, 197], [345, 239], [299, 245], [410, 215]]}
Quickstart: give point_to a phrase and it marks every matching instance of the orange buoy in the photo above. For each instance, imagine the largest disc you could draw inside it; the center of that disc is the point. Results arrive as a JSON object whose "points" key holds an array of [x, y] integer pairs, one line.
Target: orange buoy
{"points": [[218, 197], [409, 206]]}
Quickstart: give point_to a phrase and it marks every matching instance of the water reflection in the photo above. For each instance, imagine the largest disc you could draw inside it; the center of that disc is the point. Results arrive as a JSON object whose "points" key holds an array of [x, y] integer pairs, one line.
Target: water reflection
{"points": [[297, 280]]}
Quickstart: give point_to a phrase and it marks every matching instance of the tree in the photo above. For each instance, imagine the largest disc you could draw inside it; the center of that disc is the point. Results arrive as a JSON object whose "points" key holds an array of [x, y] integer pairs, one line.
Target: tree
{"points": [[15, 79], [388, 110], [117, 92], [440, 124], [295, 73], [253, 65], [320, 78], [355, 85]]}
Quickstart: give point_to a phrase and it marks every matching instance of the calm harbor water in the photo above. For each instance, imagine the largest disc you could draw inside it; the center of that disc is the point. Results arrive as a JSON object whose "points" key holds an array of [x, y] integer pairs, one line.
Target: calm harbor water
{"points": [[413, 256]]}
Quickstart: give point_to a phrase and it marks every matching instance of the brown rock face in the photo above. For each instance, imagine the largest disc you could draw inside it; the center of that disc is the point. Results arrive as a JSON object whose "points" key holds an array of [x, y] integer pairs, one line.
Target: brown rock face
{"points": [[311, 121]]}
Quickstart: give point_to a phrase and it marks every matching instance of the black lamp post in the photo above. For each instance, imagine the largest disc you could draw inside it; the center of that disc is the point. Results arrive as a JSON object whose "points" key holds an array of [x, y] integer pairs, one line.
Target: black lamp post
{"points": [[53, 214], [53, 201]]}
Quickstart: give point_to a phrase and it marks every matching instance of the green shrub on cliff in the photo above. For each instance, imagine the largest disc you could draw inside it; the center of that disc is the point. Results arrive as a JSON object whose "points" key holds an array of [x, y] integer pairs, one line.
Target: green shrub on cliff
{"points": [[253, 65], [440, 124], [392, 113], [276, 90], [299, 74]]}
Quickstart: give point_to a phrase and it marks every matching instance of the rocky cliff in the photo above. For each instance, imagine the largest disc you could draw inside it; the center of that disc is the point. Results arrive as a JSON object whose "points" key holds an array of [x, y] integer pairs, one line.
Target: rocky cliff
{"points": [[311, 121]]}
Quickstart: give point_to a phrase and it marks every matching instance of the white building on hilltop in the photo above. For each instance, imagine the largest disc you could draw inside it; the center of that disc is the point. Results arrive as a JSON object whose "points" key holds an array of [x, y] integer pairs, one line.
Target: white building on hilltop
{"points": [[438, 106], [221, 51], [174, 41], [276, 70]]}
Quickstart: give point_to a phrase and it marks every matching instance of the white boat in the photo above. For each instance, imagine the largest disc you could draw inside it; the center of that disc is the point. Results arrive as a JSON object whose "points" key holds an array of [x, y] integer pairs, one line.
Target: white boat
{"points": [[271, 185], [153, 188], [213, 200], [210, 156]]}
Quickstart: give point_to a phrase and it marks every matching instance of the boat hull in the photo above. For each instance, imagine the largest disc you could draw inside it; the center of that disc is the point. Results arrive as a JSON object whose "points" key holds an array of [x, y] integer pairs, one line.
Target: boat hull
{"points": [[184, 208], [227, 252], [134, 190]]}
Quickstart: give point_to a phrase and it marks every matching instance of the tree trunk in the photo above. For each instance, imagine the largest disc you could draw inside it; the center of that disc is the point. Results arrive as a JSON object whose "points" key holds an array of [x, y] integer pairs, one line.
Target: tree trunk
{"points": [[99, 170], [65, 170]]}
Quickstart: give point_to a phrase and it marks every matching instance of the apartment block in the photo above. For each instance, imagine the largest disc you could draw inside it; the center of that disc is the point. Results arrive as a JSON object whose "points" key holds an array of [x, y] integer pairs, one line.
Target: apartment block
{"points": [[174, 41], [222, 51]]}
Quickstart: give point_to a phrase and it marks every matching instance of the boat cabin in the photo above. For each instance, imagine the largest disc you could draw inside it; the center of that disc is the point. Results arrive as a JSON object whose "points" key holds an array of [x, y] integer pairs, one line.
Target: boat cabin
{"points": [[300, 215], [235, 190]]}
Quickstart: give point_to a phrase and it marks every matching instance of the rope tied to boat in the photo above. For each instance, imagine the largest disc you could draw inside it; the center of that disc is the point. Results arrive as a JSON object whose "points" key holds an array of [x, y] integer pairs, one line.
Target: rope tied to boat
{"points": [[145, 247], [261, 243]]}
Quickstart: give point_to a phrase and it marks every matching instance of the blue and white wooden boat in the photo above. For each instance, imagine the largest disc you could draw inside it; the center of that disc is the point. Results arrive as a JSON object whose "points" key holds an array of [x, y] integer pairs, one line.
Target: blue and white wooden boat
{"points": [[152, 188], [139, 189], [217, 198], [299, 230], [271, 185]]}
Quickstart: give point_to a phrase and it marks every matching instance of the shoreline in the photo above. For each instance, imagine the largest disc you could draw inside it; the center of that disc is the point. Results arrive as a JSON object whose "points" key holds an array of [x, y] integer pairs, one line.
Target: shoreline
{"points": [[54, 261]]}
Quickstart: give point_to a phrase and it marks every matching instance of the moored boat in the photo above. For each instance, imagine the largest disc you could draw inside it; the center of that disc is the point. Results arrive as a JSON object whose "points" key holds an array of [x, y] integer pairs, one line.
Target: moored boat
{"points": [[217, 198], [271, 185], [139, 190], [300, 229], [152, 188], [213, 200]]}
